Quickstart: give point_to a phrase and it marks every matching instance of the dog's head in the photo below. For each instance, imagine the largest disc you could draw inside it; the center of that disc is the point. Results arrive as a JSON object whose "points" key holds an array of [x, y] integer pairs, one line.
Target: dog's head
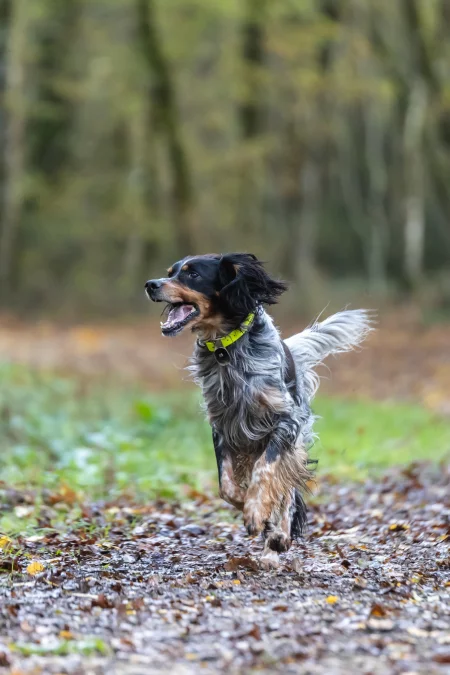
{"points": [[213, 293]]}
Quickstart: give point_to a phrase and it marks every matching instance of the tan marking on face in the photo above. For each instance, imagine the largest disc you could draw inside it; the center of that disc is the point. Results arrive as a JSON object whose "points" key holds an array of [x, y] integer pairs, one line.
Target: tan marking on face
{"points": [[208, 323], [185, 267], [170, 270], [171, 292]]}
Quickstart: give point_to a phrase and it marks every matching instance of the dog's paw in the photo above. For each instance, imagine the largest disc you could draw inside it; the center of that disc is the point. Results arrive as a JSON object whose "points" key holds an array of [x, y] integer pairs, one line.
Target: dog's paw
{"points": [[278, 541], [269, 560]]}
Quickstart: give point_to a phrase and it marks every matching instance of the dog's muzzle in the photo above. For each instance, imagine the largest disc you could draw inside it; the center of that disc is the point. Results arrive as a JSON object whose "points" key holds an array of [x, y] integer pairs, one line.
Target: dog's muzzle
{"points": [[153, 289]]}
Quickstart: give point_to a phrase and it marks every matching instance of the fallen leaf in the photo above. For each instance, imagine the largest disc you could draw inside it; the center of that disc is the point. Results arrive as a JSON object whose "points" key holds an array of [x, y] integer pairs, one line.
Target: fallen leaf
{"points": [[332, 599], [35, 567], [378, 611], [255, 632], [102, 601], [66, 635], [245, 561], [398, 527], [4, 659], [441, 657], [65, 494]]}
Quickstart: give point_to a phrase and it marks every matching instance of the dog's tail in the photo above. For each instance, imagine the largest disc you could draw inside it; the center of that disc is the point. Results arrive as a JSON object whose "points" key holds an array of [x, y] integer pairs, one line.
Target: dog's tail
{"points": [[341, 332]]}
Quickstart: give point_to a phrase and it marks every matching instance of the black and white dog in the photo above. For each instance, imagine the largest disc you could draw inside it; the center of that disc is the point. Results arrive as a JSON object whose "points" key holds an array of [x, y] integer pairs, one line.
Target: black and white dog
{"points": [[257, 388]]}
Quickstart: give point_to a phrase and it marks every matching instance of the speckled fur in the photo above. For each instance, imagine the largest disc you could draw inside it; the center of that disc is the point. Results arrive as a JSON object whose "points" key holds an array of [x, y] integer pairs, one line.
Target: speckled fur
{"points": [[261, 429]]}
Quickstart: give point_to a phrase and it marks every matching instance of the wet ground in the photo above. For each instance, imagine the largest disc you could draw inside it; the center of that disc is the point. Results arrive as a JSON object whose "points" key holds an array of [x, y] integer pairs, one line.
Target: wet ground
{"points": [[168, 588]]}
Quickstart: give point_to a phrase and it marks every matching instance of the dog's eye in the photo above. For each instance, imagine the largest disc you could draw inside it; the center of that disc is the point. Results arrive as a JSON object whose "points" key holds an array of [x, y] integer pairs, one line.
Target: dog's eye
{"points": [[193, 275]]}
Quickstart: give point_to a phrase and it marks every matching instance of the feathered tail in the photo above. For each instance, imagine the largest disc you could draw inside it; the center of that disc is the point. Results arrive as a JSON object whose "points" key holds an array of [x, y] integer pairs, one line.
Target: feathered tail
{"points": [[341, 332]]}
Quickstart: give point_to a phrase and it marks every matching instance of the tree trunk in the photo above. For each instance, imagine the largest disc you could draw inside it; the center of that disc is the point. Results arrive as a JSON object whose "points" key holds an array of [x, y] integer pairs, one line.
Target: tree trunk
{"points": [[252, 60], [163, 97], [308, 231], [5, 9], [137, 175], [49, 150], [14, 144], [250, 117], [378, 238], [414, 232]]}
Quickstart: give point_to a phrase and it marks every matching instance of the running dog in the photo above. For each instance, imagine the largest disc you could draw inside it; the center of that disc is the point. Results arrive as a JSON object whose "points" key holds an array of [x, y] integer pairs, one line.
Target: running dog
{"points": [[257, 388]]}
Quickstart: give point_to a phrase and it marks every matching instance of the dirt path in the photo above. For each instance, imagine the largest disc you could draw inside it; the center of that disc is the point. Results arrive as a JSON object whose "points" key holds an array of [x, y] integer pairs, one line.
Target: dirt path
{"points": [[171, 589], [403, 359]]}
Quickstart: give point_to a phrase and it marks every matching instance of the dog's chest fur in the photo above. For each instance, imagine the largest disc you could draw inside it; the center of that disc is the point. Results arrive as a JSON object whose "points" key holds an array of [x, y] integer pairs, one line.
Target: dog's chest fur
{"points": [[244, 398]]}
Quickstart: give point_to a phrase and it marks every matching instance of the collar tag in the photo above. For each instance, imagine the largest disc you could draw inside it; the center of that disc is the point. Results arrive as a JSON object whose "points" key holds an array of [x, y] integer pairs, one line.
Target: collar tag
{"points": [[222, 356]]}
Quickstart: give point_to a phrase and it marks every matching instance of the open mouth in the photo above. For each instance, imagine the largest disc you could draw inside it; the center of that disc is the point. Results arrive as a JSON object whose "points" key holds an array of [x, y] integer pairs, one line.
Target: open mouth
{"points": [[180, 314]]}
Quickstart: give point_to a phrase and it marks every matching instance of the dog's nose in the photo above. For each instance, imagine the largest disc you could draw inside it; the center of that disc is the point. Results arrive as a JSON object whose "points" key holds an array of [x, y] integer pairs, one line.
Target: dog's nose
{"points": [[152, 284]]}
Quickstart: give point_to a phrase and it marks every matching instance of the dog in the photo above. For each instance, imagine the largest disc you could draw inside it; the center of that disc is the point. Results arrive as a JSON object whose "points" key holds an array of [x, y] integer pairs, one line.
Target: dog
{"points": [[257, 388]]}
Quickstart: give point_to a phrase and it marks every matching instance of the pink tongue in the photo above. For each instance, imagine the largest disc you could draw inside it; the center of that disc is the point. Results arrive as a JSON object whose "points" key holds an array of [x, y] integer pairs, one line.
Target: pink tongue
{"points": [[178, 314]]}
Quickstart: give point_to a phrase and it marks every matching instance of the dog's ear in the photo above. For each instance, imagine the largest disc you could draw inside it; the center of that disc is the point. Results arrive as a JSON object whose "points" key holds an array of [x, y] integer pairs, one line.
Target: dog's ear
{"points": [[245, 283], [231, 264]]}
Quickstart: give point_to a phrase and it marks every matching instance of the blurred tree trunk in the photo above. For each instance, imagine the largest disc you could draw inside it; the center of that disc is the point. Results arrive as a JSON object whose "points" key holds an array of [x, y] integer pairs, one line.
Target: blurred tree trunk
{"points": [[377, 237], [422, 85], [50, 147], [136, 189], [414, 184], [250, 110], [289, 170], [5, 9], [299, 191], [250, 115], [14, 143], [163, 96], [308, 231]]}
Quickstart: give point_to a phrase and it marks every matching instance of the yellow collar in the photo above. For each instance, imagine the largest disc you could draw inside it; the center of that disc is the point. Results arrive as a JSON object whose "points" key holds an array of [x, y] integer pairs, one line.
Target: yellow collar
{"points": [[228, 340]]}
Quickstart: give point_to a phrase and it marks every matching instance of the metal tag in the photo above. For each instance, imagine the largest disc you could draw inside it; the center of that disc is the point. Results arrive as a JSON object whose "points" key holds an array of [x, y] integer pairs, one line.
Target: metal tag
{"points": [[222, 356]]}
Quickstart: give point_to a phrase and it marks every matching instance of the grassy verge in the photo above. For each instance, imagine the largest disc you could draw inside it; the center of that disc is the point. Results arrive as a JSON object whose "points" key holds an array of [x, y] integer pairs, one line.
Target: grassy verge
{"points": [[103, 439]]}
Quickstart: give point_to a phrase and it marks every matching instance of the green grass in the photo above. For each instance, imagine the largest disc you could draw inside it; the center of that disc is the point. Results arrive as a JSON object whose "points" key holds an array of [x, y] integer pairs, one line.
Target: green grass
{"points": [[86, 647], [359, 437], [104, 439]]}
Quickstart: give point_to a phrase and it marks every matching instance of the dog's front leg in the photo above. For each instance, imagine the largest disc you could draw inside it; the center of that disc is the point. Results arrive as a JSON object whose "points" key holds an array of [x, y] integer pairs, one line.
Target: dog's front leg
{"points": [[270, 483], [229, 490]]}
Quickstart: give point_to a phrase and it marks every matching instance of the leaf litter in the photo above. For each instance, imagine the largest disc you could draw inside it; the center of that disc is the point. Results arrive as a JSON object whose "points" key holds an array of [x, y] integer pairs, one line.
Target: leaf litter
{"points": [[174, 587]]}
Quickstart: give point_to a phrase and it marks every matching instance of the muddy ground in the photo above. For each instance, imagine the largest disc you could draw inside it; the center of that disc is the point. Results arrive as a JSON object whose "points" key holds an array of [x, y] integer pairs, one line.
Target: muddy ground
{"points": [[167, 588]]}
